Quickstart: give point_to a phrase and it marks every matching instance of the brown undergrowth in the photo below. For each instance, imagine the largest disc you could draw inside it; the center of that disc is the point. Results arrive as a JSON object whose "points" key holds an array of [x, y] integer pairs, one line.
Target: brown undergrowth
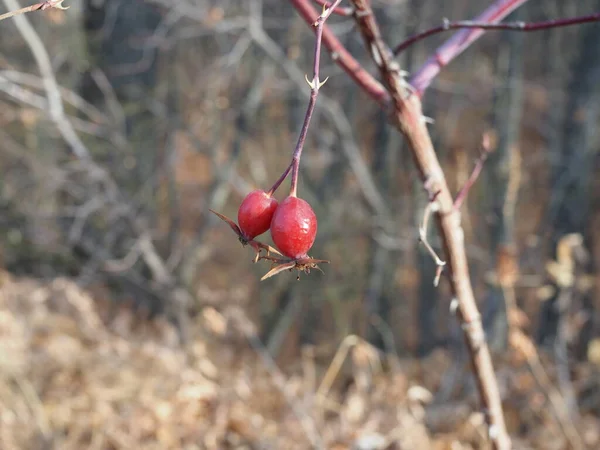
{"points": [[76, 373]]}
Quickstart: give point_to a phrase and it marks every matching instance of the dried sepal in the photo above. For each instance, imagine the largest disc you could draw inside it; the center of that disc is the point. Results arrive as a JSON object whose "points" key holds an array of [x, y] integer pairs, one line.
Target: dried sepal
{"points": [[229, 222], [301, 265], [256, 245], [278, 269]]}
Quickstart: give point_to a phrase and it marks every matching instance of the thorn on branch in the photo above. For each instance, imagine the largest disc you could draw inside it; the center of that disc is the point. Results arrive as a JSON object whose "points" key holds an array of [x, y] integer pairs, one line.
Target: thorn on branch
{"points": [[312, 84]]}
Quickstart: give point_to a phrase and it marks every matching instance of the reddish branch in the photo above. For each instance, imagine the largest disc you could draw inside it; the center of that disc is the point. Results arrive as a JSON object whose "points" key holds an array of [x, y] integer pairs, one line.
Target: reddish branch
{"points": [[41, 6], [514, 26], [459, 42], [342, 57]]}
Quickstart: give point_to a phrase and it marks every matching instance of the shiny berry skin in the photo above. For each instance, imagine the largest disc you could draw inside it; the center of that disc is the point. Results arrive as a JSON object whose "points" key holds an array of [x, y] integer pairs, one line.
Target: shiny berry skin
{"points": [[255, 213], [294, 227]]}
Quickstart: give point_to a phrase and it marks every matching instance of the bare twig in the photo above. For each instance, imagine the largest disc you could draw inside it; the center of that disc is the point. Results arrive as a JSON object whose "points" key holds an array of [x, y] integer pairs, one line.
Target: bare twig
{"points": [[464, 191], [41, 6], [459, 42], [55, 104], [84, 161], [513, 26]]}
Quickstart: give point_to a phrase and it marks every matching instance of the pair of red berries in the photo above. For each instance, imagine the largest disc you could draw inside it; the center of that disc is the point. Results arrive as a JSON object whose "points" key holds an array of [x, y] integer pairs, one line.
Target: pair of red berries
{"points": [[292, 222]]}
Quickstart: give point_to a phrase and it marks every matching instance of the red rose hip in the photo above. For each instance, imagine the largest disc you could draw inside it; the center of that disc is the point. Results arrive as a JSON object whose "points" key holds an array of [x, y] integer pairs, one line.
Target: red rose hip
{"points": [[294, 227], [255, 213]]}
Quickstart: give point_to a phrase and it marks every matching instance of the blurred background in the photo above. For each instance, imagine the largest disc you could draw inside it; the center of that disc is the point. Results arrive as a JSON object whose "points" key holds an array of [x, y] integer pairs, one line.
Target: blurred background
{"points": [[130, 317]]}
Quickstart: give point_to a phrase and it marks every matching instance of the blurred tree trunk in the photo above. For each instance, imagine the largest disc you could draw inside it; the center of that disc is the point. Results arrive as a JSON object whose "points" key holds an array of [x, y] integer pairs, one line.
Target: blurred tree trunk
{"points": [[120, 46], [506, 122], [572, 173], [378, 297], [428, 294]]}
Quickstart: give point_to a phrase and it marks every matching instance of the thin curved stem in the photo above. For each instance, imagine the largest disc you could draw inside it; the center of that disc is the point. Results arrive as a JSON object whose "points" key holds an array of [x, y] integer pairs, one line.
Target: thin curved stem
{"points": [[279, 181], [513, 26], [315, 84]]}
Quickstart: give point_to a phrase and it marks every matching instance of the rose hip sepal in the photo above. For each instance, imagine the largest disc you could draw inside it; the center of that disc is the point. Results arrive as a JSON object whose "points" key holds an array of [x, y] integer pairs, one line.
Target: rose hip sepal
{"points": [[304, 264], [256, 245]]}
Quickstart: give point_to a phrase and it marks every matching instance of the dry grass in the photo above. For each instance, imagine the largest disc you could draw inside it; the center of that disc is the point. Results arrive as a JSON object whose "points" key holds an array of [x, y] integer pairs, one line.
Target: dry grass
{"points": [[75, 375]]}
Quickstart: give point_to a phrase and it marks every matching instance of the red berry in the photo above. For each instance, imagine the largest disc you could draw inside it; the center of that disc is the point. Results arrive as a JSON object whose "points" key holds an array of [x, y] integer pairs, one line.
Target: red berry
{"points": [[294, 227], [255, 213]]}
